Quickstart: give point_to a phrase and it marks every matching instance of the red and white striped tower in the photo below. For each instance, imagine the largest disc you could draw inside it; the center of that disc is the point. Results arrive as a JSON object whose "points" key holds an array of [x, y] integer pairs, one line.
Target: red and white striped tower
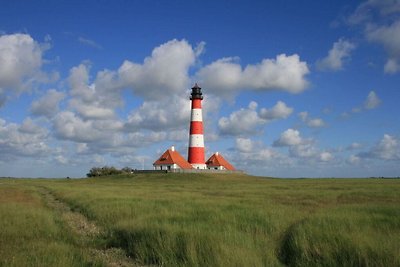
{"points": [[196, 139]]}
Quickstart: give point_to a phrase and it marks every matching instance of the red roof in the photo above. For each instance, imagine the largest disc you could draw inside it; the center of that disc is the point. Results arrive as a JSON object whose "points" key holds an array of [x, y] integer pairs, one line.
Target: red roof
{"points": [[217, 160], [173, 157]]}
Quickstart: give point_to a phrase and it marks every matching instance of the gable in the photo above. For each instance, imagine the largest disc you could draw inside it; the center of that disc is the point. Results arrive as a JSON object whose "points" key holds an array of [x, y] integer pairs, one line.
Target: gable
{"points": [[217, 160], [171, 157]]}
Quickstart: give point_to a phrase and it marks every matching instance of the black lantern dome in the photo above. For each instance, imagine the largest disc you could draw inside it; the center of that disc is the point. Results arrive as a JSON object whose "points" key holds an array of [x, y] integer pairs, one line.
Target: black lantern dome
{"points": [[196, 92]]}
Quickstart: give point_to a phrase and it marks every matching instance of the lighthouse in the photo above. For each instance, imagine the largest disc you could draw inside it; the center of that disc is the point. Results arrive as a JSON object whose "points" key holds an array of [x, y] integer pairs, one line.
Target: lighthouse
{"points": [[172, 161], [196, 138]]}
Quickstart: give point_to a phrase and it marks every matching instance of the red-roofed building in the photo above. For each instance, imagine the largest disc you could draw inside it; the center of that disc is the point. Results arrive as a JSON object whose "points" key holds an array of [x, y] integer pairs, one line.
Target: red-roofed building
{"points": [[171, 160], [217, 162]]}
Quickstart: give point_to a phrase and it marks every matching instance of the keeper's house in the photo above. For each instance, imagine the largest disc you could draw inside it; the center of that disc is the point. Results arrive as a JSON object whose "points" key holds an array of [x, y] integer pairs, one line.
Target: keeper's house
{"points": [[217, 162], [171, 160]]}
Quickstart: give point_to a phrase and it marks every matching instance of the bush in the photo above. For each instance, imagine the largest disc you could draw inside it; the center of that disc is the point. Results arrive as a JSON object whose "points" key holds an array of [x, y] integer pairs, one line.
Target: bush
{"points": [[103, 171]]}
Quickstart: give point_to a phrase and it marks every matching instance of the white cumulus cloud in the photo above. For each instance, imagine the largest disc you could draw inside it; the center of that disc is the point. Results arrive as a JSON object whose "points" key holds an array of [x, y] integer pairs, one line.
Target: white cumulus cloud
{"points": [[304, 150], [242, 122], [164, 72], [339, 53], [381, 23], [47, 105], [70, 127], [96, 100], [157, 115], [253, 152], [244, 144], [279, 111], [290, 137], [389, 37], [93, 111], [388, 148], [301, 148], [20, 58], [249, 121], [286, 73], [22, 140], [371, 102]]}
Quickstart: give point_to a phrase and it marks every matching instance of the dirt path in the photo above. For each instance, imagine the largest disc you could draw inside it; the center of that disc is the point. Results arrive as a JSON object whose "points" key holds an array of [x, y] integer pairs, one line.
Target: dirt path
{"points": [[85, 231]]}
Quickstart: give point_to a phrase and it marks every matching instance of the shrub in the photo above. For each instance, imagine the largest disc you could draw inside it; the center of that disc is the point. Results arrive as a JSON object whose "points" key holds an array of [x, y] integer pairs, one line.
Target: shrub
{"points": [[103, 171]]}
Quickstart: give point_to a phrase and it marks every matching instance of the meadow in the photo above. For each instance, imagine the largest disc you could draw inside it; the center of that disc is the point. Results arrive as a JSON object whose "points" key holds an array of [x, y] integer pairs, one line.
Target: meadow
{"points": [[199, 220]]}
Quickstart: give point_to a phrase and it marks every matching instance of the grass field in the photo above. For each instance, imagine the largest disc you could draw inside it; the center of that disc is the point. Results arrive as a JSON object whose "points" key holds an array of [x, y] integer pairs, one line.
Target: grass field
{"points": [[200, 220]]}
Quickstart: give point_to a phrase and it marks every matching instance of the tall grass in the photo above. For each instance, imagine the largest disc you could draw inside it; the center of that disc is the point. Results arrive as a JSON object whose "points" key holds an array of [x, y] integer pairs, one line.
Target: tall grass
{"points": [[208, 220], [345, 236], [238, 220], [31, 234]]}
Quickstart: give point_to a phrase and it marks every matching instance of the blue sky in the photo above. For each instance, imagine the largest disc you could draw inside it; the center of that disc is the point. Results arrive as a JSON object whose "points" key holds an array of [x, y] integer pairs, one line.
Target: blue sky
{"points": [[292, 88]]}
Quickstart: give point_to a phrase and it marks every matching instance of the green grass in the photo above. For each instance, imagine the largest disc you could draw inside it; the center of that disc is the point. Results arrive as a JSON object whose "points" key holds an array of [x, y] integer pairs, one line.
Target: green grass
{"points": [[31, 234], [222, 220]]}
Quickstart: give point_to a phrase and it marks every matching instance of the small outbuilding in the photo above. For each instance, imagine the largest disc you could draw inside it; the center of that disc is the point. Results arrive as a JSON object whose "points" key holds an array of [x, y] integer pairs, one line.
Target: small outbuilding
{"points": [[218, 162], [171, 160]]}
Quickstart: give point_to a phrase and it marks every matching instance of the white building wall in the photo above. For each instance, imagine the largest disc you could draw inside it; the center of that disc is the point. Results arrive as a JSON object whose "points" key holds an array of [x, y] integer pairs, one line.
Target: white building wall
{"points": [[165, 167], [199, 166]]}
